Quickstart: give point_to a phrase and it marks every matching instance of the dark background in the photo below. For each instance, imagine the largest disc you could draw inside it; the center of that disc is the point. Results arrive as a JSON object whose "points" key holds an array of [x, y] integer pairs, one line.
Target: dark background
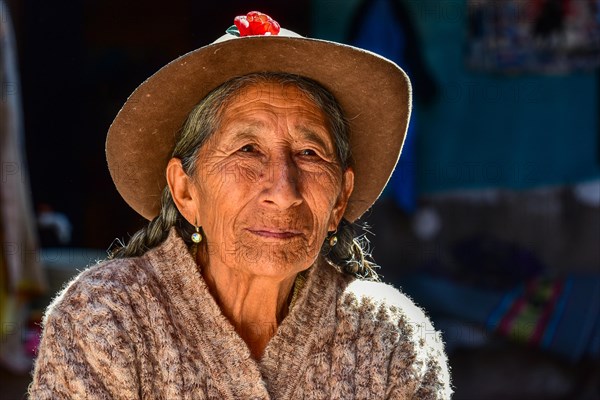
{"points": [[79, 60]]}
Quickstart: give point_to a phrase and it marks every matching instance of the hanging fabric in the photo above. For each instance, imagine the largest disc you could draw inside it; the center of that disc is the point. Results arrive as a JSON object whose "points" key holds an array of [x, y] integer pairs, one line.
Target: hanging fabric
{"points": [[384, 27], [21, 275]]}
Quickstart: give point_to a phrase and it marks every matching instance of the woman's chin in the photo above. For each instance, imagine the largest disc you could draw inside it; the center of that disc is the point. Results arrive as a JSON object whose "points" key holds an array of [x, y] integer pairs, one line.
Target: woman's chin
{"points": [[272, 258]]}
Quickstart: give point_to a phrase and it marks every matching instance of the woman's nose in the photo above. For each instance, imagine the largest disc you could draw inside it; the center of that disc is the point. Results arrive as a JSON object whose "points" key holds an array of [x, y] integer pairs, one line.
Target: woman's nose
{"points": [[282, 189]]}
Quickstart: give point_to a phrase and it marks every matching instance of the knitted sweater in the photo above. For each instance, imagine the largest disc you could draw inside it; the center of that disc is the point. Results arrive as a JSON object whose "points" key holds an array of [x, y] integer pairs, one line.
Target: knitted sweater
{"points": [[148, 328]]}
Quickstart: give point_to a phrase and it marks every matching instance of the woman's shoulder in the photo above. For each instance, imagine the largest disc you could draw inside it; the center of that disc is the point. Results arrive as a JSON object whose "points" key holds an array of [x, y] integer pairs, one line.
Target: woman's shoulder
{"points": [[382, 309], [116, 270], [110, 274], [371, 301], [105, 285], [382, 300], [386, 315]]}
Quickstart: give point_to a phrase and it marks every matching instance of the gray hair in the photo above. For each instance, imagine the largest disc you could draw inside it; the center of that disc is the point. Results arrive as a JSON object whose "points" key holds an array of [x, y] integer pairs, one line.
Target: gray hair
{"points": [[349, 255]]}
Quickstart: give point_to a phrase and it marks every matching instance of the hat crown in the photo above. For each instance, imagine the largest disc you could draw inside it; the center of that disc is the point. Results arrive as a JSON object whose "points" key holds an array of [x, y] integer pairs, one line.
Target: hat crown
{"points": [[282, 33]]}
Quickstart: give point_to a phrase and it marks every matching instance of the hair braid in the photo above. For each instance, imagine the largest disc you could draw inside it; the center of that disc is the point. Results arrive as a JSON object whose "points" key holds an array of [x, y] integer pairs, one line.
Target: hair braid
{"points": [[351, 253]]}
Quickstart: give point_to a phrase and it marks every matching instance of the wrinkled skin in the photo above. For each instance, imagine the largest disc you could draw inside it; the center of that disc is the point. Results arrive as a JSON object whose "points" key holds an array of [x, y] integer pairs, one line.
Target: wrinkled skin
{"points": [[267, 189]]}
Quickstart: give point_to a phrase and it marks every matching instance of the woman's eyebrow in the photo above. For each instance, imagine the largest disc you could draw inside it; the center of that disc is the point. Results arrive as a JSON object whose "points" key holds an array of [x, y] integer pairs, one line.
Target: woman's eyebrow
{"points": [[245, 131], [250, 131], [312, 136], [236, 136]]}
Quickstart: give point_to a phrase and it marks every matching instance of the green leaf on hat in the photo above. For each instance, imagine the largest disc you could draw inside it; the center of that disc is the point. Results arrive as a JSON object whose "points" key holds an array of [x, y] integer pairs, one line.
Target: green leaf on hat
{"points": [[233, 30]]}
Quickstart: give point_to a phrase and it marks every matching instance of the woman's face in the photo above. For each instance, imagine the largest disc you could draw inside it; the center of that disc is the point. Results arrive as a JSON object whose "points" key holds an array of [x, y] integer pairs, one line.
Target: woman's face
{"points": [[268, 186]]}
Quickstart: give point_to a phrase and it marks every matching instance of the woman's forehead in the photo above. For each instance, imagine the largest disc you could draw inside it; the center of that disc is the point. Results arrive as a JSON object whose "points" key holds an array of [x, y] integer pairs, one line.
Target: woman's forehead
{"points": [[260, 105], [275, 94]]}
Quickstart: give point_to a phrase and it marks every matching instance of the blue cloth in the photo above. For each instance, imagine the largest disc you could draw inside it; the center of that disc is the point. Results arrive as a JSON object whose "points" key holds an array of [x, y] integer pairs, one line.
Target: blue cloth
{"points": [[382, 33], [568, 322], [484, 130]]}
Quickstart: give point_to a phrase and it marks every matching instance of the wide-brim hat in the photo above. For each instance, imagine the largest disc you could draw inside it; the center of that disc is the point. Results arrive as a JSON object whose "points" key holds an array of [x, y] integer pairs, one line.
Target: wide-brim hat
{"points": [[373, 92]]}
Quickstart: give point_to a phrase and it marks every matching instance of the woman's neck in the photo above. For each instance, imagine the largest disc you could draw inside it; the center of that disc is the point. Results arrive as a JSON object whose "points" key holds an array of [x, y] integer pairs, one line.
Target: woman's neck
{"points": [[255, 305]]}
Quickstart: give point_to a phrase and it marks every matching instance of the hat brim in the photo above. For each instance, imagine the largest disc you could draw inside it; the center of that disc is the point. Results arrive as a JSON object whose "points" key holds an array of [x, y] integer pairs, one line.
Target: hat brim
{"points": [[374, 93]]}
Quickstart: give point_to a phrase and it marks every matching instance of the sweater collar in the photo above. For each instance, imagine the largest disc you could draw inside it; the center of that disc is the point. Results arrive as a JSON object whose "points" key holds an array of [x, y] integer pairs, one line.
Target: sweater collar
{"points": [[224, 351]]}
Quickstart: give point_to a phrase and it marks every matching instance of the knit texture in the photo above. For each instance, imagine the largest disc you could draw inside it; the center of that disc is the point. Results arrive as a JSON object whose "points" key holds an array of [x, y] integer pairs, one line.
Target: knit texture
{"points": [[148, 328]]}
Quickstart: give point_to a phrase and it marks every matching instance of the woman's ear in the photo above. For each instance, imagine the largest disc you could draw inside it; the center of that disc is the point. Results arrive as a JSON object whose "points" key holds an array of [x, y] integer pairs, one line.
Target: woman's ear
{"points": [[342, 201], [182, 190]]}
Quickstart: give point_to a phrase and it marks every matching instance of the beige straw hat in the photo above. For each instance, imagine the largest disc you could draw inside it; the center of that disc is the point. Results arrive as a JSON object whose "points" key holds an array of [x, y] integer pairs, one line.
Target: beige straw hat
{"points": [[374, 93]]}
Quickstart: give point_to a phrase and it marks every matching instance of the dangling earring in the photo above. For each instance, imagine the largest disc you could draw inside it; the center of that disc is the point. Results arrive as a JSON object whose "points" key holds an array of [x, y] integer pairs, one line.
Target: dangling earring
{"points": [[333, 239], [196, 236]]}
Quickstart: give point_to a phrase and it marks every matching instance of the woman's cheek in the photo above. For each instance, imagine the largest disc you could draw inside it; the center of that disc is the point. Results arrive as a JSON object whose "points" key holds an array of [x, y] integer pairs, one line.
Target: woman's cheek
{"points": [[232, 172], [250, 172], [325, 181]]}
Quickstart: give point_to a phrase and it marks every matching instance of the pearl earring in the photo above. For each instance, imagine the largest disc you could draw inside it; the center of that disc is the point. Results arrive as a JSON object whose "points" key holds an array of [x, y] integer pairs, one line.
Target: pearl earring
{"points": [[196, 236], [333, 239]]}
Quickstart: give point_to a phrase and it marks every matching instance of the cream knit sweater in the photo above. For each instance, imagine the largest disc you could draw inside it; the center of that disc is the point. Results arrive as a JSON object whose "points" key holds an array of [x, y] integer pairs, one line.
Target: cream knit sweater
{"points": [[148, 328]]}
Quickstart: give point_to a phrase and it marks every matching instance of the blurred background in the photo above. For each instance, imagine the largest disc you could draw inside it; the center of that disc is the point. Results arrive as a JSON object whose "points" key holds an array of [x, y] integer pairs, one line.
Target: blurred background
{"points": [[491, 221]]}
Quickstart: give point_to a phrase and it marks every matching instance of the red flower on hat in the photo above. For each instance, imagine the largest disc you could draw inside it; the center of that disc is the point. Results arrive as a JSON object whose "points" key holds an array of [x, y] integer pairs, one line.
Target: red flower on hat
{"points": [[256, 23]]}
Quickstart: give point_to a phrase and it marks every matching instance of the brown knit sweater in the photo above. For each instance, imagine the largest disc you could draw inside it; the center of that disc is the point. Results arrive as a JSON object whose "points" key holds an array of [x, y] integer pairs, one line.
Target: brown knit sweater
{"points": [[148, 328]]}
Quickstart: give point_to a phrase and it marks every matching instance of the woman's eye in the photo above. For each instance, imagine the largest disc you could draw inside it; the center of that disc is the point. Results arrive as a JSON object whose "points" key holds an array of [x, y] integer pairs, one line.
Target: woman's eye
{"points": [[249, 148], [308, 152]]}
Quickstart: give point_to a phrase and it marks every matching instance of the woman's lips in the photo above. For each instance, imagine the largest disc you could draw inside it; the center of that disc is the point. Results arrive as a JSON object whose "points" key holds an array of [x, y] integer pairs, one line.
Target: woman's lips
{"points": [[275, 233]]}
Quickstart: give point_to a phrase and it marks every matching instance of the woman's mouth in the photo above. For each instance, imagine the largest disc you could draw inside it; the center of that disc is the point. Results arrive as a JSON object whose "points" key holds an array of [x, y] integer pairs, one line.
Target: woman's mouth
{"points": [[275, 233]]}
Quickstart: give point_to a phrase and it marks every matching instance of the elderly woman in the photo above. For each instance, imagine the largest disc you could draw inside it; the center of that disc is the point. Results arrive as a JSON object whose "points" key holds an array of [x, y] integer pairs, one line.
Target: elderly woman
{"points": [[251, 157]]}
